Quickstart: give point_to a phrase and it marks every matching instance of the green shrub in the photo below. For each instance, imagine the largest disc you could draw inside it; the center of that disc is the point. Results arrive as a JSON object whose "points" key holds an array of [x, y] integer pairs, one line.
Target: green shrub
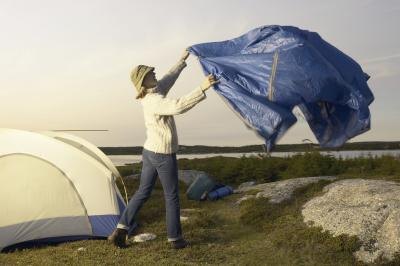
{"points": [[263, 169]]}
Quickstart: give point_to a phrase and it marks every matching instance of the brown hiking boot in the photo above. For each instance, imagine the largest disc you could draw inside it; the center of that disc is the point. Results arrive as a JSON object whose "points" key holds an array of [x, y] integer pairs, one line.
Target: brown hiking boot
{"points": [[118, 237], [179, 244]]}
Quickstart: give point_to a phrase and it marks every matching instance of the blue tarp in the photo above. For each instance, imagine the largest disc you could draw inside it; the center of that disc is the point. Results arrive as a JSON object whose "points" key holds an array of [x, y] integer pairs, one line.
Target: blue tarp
{"points": [[268, 71]]}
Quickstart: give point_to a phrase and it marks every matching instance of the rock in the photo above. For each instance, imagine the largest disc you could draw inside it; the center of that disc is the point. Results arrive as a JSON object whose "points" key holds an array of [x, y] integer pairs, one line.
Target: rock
{"points": [[246, 184], [188, 176], [280, 190], [144, 237], [184, 218], [245, 198], [190, 210], [369, 209], [133, 176]]}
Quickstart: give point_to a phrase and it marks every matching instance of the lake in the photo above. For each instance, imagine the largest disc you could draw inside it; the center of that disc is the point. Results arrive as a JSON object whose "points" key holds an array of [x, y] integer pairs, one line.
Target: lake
{"points": [[127, 159]]}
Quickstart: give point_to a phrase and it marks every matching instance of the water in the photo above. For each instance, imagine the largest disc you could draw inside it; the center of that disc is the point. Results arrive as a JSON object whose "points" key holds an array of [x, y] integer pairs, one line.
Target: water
{"points": [[127, 159]]}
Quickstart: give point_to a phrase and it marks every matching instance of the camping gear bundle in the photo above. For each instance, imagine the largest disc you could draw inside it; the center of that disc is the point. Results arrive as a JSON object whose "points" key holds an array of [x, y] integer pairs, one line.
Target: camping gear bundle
{"points": [[204, 187]]}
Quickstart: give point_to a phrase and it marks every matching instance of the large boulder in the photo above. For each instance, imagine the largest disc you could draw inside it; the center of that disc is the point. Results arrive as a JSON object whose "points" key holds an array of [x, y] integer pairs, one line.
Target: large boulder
{"points": [[186, 176], [279, 191], [369, 209]]}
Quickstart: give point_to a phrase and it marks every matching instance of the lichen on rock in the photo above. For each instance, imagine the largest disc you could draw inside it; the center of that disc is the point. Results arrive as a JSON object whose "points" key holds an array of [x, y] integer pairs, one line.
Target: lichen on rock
{"points": [[281, 190], [368, 209]]}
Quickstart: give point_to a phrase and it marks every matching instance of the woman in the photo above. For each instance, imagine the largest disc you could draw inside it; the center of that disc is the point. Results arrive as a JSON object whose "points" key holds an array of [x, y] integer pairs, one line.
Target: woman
{"points": [[160, 147]]}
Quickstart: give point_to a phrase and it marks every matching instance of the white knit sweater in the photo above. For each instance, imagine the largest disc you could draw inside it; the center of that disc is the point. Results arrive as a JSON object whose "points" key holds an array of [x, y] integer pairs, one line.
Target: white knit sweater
{"points": [[159, 110]]}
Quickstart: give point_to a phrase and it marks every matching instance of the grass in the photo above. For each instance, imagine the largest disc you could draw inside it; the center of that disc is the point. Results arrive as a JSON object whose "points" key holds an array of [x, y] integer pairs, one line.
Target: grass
{"points": [[255, 232]]}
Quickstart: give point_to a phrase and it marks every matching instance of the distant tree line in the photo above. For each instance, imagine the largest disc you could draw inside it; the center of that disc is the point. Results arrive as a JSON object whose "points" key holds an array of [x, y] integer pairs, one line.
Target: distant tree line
{"points": [[202, 149]]}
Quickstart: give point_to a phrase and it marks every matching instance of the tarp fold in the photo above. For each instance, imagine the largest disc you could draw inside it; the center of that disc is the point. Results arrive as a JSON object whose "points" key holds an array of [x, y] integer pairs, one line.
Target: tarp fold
{"points": [[268, 71]]}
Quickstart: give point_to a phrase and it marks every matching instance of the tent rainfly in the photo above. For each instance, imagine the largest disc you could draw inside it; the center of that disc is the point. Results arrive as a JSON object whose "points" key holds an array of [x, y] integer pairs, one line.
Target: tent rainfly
{"points": [[53, 191], [90, 149]]}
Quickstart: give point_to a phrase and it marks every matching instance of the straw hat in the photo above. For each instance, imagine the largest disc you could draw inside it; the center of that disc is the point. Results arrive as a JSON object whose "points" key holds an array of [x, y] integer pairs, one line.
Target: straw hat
{"points": [[137, 77]]}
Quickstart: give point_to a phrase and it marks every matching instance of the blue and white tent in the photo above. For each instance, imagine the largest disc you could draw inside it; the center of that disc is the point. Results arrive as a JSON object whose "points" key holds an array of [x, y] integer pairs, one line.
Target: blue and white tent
{"points": [[268, 71], [53, 191]]}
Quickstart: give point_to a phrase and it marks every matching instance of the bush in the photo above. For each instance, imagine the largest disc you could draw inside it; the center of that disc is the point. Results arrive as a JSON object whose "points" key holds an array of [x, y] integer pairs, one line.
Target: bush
{"points": [[233, 171]]}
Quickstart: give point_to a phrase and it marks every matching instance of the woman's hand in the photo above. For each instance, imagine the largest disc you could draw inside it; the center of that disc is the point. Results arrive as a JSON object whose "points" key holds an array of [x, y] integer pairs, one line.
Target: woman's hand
{"points": [[208, 82], [185, 55]]}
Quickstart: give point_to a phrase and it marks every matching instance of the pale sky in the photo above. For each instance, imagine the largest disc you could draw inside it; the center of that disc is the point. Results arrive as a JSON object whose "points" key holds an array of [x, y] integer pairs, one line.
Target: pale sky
{"points": [[66, 64]]}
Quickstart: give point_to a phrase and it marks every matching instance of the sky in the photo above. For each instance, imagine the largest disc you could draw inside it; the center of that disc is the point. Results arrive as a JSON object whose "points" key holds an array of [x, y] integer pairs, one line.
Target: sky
{"points": [[66, 64]]}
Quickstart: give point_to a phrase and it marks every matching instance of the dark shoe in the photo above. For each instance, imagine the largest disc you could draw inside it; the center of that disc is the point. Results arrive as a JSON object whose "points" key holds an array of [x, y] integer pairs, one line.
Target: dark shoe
{"points": [[118, 237], [179, 244]]}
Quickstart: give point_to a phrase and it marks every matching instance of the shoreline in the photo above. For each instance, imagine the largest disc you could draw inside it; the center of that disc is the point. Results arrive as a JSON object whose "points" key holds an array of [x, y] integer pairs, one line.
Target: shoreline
{"points": [[203, 149]]}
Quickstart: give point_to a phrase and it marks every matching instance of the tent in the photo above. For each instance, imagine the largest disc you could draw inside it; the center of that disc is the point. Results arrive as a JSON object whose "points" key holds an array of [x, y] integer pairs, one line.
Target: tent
{"points": [[52, 192], [269, 70], [90, 149]]}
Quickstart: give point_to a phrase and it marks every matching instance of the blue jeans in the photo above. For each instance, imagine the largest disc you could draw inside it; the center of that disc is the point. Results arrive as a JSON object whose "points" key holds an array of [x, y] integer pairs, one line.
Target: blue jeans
{"points": [[165, 165]]}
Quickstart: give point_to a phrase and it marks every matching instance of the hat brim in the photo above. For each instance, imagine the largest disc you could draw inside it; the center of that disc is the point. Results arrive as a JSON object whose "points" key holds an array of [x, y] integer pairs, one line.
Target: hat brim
{"points": [[139, 93]]}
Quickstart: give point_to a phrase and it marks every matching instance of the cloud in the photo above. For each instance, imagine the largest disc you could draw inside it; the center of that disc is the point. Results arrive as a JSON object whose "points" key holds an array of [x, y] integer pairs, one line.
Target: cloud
{"points": [[383, 66], [382, 70], [381, 58]]}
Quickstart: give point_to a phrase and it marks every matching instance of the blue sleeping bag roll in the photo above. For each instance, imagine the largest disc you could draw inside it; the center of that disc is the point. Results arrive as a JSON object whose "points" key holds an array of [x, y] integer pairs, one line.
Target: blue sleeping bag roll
{"points": [[219, 193]]}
